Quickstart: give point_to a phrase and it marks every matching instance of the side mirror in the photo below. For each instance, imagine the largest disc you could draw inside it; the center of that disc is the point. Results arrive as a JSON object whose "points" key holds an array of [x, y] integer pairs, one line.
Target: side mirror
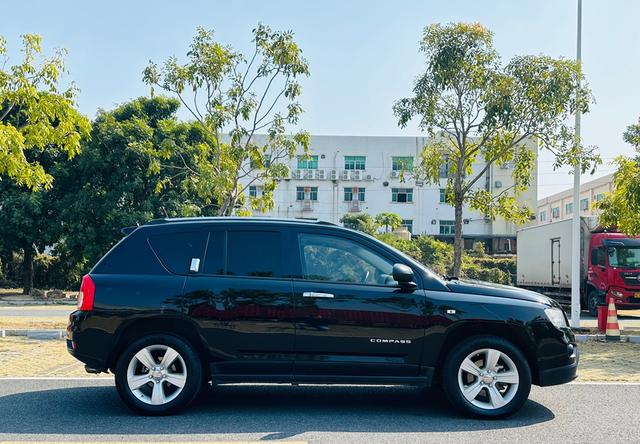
{"points": [[403, 275]]}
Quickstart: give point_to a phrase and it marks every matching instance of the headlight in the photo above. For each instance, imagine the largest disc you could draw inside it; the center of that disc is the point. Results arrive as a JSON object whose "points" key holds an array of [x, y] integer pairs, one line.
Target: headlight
{"points": [[617, 293], [556, 316]]}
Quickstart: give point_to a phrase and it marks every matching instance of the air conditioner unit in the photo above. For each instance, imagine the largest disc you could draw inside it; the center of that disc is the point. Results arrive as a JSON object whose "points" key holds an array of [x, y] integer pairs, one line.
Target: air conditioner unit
{"points": [[395, 174], [344, 175], [356, 175], [333, 175], [368, 177], [320, 175], [308, 174], [497, 184], [297, 174], [506, 165]]}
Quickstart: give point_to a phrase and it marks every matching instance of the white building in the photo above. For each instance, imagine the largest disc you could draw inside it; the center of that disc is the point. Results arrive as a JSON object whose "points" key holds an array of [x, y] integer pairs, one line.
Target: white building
{"points": [[559, 206], [363, 174]]}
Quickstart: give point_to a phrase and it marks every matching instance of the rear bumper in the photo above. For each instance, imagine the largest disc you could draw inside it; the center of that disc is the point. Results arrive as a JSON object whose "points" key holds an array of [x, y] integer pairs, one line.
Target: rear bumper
{"points": [[560, 375], [82, 345]]}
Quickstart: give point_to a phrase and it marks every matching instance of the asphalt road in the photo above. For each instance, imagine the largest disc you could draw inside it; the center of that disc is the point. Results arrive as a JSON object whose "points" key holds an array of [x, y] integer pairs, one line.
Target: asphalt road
{"points": [[76, 410], [59, 311]]}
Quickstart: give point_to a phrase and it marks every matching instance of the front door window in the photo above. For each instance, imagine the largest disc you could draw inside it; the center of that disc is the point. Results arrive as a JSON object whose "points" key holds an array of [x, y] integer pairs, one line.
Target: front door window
{"points": [[336, 259]]}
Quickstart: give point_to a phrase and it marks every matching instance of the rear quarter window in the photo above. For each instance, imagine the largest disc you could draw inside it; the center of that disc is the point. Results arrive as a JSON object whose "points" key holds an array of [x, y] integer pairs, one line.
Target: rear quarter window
{"points": [[175, 250], [132, 255]]}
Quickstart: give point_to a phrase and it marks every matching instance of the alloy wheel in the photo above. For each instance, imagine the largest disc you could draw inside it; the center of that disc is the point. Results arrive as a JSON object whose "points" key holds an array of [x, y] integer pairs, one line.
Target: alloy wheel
{"points": [[488, 378], [156, 374]]}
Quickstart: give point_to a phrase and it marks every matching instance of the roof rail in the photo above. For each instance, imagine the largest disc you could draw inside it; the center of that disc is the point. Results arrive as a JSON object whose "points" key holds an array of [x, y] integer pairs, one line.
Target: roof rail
{"points": [[169, 220]]}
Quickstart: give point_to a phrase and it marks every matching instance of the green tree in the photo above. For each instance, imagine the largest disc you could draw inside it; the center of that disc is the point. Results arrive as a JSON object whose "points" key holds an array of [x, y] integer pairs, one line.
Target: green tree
{"points": [[476, 109], [621, 207], [390, 221], [35, 113], [115, 184], [28, 218], [359, 221], [233, 98]]}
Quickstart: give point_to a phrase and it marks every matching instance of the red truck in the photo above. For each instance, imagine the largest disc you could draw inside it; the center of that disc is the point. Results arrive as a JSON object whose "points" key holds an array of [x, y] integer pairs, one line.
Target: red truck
{"points": [[610, 263]]}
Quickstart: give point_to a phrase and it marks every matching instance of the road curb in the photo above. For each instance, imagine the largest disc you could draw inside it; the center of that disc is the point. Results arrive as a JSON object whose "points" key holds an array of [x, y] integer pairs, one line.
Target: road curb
{"points": [[34, 334], [634, 339], [59, 302]]}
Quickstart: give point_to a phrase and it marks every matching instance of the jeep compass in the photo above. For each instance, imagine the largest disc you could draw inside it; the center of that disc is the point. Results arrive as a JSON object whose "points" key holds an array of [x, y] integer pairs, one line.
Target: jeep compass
{"points": [[180, 303]]}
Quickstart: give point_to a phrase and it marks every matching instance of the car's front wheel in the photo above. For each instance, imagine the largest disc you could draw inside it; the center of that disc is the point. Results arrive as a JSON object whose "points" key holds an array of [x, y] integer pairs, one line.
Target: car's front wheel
{"points": [[486, 376], [158, 375]]}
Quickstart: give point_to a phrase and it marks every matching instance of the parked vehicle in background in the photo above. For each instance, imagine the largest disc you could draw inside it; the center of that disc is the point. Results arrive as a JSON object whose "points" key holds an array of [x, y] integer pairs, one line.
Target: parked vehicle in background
{"points": [[181, 302], [610, 263]]}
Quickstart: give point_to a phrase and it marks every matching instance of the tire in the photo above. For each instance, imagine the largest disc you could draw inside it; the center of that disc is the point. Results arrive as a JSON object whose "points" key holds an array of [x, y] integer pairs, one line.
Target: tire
{"points": [[488, 394], [168, 387], [592, 303]]}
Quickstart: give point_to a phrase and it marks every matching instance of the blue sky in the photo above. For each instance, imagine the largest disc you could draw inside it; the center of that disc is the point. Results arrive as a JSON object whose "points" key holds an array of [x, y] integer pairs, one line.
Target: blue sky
{"points": [[363, 54]]}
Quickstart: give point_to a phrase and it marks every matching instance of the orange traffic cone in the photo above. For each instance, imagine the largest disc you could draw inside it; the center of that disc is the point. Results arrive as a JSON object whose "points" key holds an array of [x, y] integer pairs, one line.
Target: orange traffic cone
{"points": [[613, 329]]}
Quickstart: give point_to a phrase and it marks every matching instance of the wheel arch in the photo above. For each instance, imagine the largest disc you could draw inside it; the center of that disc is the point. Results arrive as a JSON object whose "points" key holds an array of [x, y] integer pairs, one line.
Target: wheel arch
{"points": [[516, 334], [179, 327]]}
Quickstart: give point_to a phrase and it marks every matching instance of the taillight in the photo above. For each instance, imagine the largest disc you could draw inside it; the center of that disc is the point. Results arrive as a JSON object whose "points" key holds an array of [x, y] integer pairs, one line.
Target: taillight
{"points": [[87, 294]]}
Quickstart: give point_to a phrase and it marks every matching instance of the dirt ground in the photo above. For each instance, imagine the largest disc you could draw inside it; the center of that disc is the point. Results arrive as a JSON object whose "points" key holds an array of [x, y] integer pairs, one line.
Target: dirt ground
{"points": [[599, 362], [19, 323], [29, 357]]}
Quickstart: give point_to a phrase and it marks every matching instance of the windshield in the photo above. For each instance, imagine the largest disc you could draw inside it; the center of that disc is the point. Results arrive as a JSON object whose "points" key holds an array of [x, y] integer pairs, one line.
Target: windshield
{"points": [[624, 257]]}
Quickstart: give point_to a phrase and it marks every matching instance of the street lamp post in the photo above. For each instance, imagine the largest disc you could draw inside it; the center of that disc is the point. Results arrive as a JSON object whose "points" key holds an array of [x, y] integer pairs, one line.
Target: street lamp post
{"points": [[576, 265]]}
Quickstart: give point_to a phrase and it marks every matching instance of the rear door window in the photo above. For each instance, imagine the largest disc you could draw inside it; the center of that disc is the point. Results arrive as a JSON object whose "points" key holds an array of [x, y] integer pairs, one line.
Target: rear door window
{"points": [[175, 250], [214, 260], [254, 253]]}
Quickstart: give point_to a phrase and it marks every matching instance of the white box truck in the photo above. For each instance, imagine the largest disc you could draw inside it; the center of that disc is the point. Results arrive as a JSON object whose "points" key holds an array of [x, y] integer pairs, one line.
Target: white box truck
{"points": [[609, 263]]}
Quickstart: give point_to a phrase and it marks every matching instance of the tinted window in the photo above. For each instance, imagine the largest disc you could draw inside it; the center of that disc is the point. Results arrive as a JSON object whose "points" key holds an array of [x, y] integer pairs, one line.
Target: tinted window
{"points": [[132, 255], [175, 250], [254, 253], [214, 260], [336, 259]]}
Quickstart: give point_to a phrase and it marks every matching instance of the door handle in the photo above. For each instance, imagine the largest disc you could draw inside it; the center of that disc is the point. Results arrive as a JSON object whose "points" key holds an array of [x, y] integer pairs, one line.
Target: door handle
{"points": [[315, 294]]}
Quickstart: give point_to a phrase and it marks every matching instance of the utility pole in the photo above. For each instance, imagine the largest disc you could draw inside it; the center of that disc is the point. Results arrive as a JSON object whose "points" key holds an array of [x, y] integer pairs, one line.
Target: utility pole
{"points": [[576, 265]]}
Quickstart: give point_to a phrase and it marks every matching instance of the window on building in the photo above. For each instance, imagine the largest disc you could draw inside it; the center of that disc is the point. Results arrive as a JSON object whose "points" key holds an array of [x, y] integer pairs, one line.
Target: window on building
{"points": [[599, 197], [304, 193], [307, 162], [408, 224], [543, 216], [584, 204], [403, 163], [255, 165], [447, 227], [568, 208], [402, 195], [354, 162], [255, 191], [555, 213], [351, 192], [443, 170], [443, 195]]}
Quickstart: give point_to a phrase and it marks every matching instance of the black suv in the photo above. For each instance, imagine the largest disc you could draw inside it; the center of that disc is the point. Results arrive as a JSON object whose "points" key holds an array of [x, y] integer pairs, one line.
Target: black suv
{"points": [[181, 302]]}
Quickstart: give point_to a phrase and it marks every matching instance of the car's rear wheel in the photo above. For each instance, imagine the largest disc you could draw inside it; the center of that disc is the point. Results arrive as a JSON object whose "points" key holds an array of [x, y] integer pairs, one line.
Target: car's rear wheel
{"points": [[158, 375], [486, 376]]}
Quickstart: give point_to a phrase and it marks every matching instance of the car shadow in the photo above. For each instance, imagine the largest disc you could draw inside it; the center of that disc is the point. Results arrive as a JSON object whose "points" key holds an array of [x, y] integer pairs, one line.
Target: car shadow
{"points": [[277, 411]]}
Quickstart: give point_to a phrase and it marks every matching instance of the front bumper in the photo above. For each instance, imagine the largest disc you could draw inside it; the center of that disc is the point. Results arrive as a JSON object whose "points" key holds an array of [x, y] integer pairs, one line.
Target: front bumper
{"points": [[560, 375]]}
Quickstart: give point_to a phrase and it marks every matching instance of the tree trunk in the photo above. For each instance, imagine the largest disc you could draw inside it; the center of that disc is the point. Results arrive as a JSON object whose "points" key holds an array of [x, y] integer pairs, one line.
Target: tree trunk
{"points": [[27, 268], [458, 244]]}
